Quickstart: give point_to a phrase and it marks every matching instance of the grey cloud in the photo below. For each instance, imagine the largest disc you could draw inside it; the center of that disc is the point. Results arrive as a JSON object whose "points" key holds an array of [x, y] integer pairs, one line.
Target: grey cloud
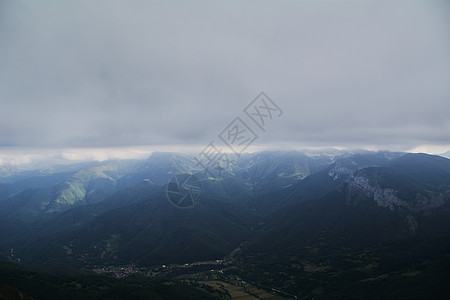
{"points": [[110, 73]]}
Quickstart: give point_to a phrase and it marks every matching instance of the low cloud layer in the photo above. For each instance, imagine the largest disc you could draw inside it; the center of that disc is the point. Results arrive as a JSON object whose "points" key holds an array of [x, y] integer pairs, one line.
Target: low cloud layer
{"points": [[128, 73]]}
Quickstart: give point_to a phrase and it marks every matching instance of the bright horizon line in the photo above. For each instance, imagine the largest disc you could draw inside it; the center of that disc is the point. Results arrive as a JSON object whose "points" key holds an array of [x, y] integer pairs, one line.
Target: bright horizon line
{"points": [[21, 156]]}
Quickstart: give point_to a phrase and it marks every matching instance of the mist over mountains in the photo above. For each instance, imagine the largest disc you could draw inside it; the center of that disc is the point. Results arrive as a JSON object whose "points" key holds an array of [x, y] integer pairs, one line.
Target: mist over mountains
{"points": [[89, 89]]}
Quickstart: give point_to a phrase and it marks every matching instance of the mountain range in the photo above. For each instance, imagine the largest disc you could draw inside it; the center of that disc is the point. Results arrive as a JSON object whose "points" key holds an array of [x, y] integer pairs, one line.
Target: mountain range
{"points": [[325, 226]]}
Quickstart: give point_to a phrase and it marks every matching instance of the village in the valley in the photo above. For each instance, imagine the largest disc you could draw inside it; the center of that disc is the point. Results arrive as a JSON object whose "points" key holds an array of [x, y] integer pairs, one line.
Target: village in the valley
{"points": [[214, 276]]}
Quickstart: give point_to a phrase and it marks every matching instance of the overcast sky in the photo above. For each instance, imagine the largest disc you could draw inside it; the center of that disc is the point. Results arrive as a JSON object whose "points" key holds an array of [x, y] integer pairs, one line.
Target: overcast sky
{"points": [[93, 74]]}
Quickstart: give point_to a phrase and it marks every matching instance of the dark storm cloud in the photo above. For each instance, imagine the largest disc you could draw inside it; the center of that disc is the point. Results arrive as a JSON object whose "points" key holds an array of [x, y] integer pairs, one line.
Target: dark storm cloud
{"points": [[107, 73]]}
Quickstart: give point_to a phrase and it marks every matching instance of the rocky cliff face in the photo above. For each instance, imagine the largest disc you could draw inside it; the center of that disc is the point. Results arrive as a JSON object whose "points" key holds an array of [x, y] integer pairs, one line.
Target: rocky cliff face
{"points": [[384, 197], [388, 197], [420, 198], [340, 172]]}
